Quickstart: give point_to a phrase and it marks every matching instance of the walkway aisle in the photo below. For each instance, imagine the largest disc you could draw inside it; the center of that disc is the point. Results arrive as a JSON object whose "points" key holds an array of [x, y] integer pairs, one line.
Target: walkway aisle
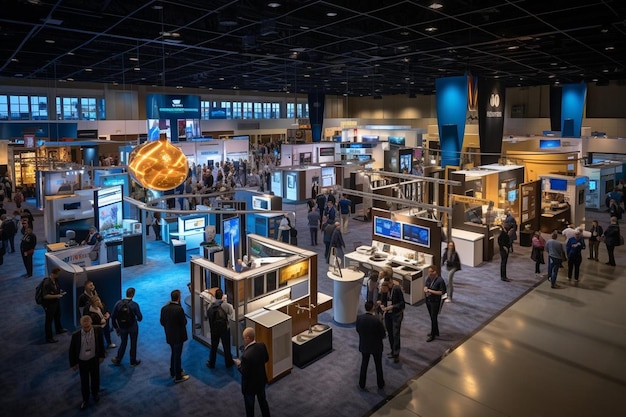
{"points": [[556, 352]]}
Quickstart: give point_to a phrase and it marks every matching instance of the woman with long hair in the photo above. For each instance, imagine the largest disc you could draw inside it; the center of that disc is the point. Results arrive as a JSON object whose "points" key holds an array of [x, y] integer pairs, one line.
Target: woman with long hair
{"points": [[452, 262], [100, 318]]}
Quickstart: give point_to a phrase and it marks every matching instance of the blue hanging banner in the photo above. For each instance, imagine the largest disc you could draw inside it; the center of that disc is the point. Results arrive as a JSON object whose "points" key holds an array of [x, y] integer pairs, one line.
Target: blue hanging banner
{"points": [[572, 109], [316, 114], [451, 99]]}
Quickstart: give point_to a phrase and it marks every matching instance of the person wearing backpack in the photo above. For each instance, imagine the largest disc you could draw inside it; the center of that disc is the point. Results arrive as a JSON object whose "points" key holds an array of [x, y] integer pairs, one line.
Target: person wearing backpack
{"points": [[9, 232], [394, 313], [125, 317], [434, 288], [51, 303], [174, 323], [219, 314]]}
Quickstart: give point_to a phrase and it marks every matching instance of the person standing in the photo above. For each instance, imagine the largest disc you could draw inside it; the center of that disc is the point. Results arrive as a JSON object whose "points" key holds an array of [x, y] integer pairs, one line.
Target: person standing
{"points": [[27, 248], [536, 254], [556, 254], [100, 318], [174, 323], [219, 315], [329, 213], [156, 224], [394, 313], [511, 229], [51, 304], [84, 299], [253, 375], [284, 228], [452, 261], [434, 288], [337, 242], [345, 207], [313, 218], [9, 229], [86, 354], [594, 240], [611, 240], [371, 334], [328, 234], [125, 317], [574, 248], [504, 245]]}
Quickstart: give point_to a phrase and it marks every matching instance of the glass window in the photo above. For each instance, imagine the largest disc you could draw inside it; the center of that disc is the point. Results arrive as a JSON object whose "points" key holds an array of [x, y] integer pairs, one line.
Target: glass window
{"points": [[205, 110], [227, 106], [258, 110], [87, 108], [275, 114], [237, 113], [18, 106], [39, 107], [4, 107], [291, 110], [247, 110], [68, 108]]}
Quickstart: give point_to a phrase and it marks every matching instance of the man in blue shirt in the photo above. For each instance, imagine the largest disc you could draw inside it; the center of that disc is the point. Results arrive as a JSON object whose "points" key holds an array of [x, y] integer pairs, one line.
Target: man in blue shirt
{"points": [[345, 207]]}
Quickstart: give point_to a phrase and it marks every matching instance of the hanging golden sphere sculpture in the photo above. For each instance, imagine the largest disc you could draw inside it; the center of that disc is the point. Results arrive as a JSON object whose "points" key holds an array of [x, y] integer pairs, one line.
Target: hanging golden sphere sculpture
{"points": [[158, 165]]}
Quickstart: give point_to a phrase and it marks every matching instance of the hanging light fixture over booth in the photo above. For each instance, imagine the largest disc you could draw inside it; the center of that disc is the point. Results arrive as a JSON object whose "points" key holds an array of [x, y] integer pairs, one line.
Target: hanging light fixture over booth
{"points": [[158, 165]]}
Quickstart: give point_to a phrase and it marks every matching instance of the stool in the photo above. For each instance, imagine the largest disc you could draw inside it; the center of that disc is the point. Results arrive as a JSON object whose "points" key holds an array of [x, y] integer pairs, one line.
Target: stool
{"points": [[178, 250]]}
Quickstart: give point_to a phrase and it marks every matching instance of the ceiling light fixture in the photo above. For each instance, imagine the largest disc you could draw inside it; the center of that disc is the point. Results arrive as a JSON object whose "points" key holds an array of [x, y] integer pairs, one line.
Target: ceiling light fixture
{"points": [[331, 14], [273, 5], [431, 29], [435, 5], [609, 48], [88, 70], [158, 165], [50, 41]]}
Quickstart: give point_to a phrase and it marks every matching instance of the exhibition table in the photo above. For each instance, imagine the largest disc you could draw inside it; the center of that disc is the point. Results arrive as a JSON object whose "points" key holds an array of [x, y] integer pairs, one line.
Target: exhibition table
{"points": [[469, 245], [410, 272], [346, 294]]}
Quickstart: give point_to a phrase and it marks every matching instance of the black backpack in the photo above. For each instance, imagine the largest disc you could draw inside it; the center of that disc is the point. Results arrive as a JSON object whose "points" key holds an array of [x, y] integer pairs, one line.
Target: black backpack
{"points": [[39, 292], [124, 316], [219, 322]]}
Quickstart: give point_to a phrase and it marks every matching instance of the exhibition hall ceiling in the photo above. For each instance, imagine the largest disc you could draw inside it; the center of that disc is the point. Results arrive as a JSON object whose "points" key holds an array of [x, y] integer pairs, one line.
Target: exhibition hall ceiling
{"points": [[353, 47]]}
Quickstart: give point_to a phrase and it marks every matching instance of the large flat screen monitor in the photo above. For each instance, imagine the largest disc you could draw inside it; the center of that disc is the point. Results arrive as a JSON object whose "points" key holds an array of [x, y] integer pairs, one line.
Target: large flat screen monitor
{"points": [[230, 232], [387, 228], [418, 235], [108, 211]]}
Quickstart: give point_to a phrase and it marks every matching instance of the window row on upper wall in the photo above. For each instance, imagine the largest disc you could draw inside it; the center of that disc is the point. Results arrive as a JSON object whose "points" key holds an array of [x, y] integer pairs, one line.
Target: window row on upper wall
{"points": [[37, 108], [211, 110]]}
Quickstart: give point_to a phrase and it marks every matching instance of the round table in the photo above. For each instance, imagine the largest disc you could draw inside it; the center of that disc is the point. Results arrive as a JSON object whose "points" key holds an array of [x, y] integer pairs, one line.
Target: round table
{"points": [[346, 294]]}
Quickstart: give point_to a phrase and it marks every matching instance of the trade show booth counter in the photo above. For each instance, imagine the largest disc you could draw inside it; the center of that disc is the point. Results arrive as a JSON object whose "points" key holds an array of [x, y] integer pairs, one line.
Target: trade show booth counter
{"points": [[279, 278]]}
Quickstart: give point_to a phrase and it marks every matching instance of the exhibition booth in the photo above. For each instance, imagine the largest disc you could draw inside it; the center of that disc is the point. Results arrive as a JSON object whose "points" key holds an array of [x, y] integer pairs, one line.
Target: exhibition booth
{"points": [[275, 293], [562, 201], [603, 177]]}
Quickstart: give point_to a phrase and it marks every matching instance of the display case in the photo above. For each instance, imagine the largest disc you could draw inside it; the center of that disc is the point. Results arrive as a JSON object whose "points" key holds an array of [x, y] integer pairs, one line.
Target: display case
{"points": [[274, 329]]}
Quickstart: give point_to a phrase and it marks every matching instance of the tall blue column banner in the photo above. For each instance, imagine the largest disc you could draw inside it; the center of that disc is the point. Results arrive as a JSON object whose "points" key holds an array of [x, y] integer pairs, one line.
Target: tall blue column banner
{"points": [[490, 119], [572, 109], [316, 114], [451, 100]]}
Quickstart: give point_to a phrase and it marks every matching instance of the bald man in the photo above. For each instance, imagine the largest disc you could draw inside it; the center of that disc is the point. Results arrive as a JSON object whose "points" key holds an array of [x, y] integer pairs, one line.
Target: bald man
{"points": [[253, 375]]}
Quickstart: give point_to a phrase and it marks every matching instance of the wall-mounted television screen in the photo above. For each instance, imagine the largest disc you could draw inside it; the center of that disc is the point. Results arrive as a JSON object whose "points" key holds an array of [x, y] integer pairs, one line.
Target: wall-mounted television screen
{"points": [[369, 138], [418, 235], [327, 151], [558, 184], [593, 185], [512, 196], [194, 223], [397, 140], [387, 228], [405, 163], [230, 232], [305, 158], [260, 203], [108, 213]]}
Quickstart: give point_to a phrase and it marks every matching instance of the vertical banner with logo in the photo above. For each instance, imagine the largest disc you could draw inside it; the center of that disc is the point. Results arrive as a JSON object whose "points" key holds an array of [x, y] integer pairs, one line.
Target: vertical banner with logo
{"points": [[451, 99], [490, 119], [572, 109], [316, 114]]}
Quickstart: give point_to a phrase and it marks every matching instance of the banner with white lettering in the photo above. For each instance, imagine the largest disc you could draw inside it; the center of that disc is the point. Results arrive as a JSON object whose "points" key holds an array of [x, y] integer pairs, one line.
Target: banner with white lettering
{"points": [[490, 119]]}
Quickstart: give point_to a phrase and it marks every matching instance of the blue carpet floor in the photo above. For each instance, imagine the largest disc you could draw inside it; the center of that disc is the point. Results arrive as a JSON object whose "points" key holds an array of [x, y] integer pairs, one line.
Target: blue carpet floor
{"points": [[35, 378]]}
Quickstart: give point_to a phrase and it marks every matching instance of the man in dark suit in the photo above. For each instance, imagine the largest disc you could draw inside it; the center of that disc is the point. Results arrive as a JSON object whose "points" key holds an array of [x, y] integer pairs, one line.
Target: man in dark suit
{"points": [[174, 322], [371, 334], [86, 355], [253, 375]]}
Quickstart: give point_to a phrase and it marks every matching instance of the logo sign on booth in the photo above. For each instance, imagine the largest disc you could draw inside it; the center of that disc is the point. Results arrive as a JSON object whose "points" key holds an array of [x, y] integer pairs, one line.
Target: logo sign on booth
{"points": [[490, 119]]}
